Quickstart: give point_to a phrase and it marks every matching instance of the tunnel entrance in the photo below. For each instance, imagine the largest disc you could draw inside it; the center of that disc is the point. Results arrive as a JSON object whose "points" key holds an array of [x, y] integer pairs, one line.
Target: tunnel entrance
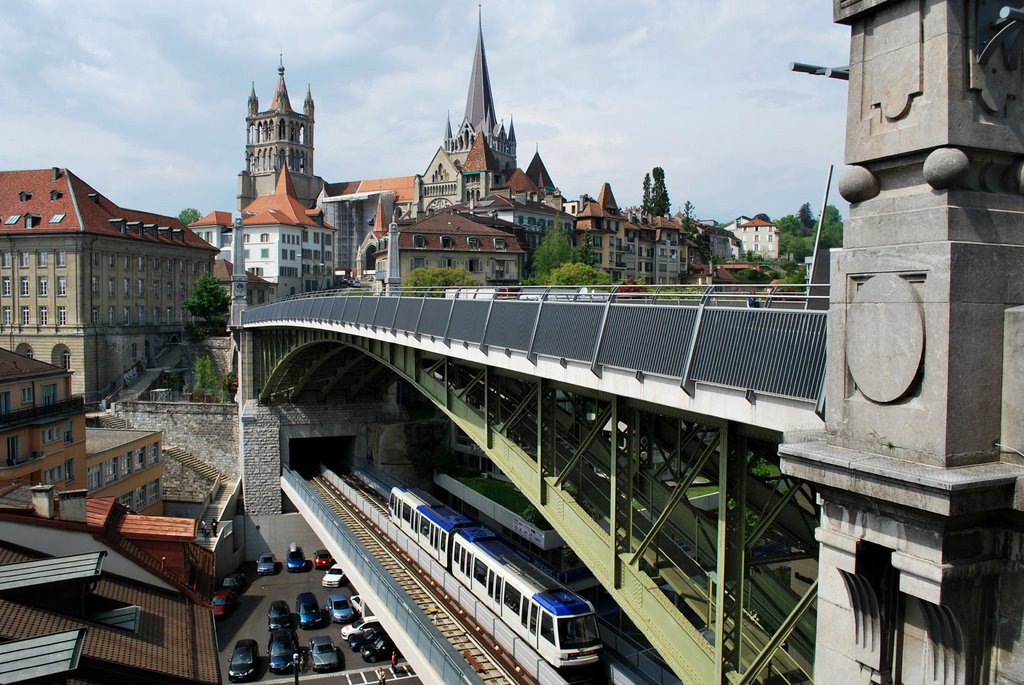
{"points": [[306, 454]]}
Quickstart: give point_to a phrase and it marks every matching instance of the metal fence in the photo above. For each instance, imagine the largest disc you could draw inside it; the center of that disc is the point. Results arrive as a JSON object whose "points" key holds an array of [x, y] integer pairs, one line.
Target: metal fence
{"points": [[702, 335]]}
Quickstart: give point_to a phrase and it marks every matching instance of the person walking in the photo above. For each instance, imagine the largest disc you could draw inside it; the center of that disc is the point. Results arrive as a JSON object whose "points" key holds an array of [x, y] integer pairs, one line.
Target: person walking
{"points": [[394, 661], [382, 676]]}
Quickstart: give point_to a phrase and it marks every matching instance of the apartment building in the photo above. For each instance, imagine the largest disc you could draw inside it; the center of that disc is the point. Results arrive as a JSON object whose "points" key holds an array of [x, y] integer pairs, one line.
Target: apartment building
{"points": [[126, 465]]}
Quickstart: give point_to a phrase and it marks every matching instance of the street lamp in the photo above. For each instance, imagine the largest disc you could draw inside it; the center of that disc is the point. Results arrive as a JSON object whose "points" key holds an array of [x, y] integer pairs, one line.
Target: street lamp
{"points": [[295, 666]]}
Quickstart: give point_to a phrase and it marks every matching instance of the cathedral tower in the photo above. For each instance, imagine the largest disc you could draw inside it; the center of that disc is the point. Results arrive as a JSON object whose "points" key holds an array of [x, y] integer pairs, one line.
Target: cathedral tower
{"points": [[275, 138], [480, 117]]}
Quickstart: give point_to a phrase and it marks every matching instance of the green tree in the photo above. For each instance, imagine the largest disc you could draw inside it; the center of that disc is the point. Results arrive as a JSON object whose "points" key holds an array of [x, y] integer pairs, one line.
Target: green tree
{"points": [[205, 376], [585, 252], [806, 218], [575, 273], [831, 229], [552, 252], [660, 203], [645, 205], [189, 215], [434, 277], [208, 302]]}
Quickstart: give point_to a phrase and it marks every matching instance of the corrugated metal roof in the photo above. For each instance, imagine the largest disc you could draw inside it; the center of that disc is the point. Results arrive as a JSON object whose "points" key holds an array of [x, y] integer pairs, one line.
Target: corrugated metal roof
{"points": [[52, 570], [38, 657], [125, 618]]}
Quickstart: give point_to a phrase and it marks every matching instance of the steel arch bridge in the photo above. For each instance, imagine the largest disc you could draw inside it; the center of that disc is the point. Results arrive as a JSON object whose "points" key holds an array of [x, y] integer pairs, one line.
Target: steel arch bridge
{"points": [[615, 473]]}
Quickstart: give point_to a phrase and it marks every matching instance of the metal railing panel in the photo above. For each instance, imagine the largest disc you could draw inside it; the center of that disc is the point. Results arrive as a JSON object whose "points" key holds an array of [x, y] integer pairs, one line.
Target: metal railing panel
{"points": [[568, 330], [408, 314], [435, 316], [468, 320], [511, 324], [385, 314], [651, 339]]}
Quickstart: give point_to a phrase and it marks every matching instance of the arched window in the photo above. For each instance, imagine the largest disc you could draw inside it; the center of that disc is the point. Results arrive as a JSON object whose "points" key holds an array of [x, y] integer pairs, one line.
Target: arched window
{"points": [[473, 243], [447, 243], [302, 134], [25, 350]]}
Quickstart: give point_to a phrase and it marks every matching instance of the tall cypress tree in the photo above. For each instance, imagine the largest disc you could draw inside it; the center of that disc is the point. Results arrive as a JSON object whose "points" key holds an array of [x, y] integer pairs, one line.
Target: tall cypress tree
{"points": [[660, 203], [645, 207]]}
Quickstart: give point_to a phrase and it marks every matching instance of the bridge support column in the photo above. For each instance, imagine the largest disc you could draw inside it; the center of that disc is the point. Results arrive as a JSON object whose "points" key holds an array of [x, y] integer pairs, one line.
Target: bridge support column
{"points": [[919, 578]]}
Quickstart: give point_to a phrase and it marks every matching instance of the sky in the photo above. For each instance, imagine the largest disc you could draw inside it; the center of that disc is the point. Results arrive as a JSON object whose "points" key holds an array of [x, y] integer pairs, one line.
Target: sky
{"points": [[146, 101]]}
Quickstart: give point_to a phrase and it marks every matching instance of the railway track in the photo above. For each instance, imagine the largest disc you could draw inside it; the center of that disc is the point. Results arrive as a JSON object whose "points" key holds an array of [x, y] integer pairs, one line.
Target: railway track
{"points": [[487, 658]]}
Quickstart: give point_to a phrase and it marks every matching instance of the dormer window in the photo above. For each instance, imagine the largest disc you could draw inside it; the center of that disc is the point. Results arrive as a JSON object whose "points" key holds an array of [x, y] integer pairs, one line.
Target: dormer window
{"points": [[32, 220], [55, 195], [419, 241], [473, 242], [56, 218], [447, 243], [499, 243], [24, 196], [12, 219]]}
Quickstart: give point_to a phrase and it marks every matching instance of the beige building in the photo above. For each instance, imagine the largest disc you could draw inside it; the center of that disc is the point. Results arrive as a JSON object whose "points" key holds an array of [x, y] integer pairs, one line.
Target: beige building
{"points": [[42, 424], [126, 464], [88, 285], [758, 236]]}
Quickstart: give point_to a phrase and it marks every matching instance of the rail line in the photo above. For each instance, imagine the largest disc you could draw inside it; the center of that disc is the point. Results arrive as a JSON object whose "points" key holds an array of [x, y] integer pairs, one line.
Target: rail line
{"points": [[483, 654]]}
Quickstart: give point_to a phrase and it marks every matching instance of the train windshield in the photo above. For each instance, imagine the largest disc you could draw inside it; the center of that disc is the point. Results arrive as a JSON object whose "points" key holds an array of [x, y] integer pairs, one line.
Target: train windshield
{"points": [[578, 632]]}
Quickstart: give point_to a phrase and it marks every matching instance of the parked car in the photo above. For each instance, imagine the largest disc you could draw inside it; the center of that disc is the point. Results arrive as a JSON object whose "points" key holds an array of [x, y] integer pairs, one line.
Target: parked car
{"points": [[279, 615], [242, 665], [223, 602], [324, 654], [340, 608], [322, 559], [361, 609], [308, 610], [334, 577], [280, 648], [296, 560], [235, 581], [377, 650], [356, 642], [358, 627], [266, 565]]}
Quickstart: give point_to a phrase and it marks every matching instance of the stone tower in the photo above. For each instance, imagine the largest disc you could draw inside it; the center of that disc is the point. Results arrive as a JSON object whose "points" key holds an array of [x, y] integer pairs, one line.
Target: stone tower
{"points": [[480, 118], [920, 472], [278, 137]]}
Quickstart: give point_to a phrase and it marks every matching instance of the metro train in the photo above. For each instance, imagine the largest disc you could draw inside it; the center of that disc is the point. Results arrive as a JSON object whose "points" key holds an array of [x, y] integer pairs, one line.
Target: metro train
{"points": [[557, 623]]}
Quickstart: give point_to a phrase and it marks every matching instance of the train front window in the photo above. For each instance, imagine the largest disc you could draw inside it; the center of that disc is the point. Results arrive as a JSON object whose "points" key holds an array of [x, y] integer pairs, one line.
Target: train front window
{"points": [[578, 632], [547, 628]]}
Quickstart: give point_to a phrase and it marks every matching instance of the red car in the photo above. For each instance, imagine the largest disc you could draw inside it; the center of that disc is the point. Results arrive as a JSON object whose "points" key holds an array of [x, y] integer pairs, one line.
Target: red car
{"points": [[322, 559], [223, 602]]}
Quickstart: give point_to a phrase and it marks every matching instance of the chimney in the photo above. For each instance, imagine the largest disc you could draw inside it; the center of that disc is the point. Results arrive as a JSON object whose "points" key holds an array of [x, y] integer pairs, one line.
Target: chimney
{"points": [[72, 505], [54, 173], [42, 501]]}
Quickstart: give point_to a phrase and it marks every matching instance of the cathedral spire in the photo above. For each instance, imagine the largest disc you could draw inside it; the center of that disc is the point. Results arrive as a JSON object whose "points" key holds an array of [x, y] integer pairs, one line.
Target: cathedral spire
{"points": [[511, 129], [307, 106], [479, 101], [448, 127], [281, 103], [254, 102]]}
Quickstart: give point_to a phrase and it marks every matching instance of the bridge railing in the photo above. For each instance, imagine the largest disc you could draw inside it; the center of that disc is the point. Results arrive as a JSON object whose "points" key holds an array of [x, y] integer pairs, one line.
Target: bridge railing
{"points": [[703, 335]]}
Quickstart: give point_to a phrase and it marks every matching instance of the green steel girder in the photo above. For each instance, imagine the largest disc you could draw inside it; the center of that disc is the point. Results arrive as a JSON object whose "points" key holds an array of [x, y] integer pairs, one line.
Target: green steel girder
{"points": [[339, 373], [313, 368], [610, 550]]}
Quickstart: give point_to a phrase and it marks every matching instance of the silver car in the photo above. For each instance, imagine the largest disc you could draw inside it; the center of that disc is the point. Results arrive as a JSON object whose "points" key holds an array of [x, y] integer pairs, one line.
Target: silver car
{"points": [[324, 654], [266, 565]]}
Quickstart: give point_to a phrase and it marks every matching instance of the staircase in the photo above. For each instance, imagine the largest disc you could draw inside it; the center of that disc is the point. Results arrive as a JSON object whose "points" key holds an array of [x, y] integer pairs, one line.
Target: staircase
{"points": [[108, 420], [221, 496]]}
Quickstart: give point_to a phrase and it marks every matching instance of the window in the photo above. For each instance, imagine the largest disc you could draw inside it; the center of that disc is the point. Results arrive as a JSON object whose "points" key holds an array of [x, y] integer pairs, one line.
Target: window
{"points": [[141, 264], [499, 243], [62, 258], [140, 459], [44, 285], [127, 262], [43, 317], [62, 286], [94, 284], [50, 435], [6, 286], [24, 285], [49, 393], [8, 319], [92, 476], [12, 219], [53, 475], [170, 289], [154, 453], [94, 316], [512, 598], [474, 265], [419, 241], [156, 288], [473, 243], [41, 256], [23, 259], [169, 317], [69, 470], [24, 315], [69, 431], [480, 572], [27, 395], [264, 253], [141, 315], [126, 315], [110, 287], [153, 491], [5, 260], [110, 471], [181, 290], [126, 463], [156, 314], [127, 287], [110, 315], [264, 237], [62, 317], [5, 401], [141, 287]]}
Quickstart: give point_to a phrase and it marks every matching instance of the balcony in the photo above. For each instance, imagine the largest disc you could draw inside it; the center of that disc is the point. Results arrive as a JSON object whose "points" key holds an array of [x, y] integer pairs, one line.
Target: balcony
{"points": [[54, 410]]}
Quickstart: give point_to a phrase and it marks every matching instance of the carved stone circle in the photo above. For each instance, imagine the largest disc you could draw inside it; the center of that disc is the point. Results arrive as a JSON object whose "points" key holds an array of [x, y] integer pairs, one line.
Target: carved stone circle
{"points": [[885, 338]]}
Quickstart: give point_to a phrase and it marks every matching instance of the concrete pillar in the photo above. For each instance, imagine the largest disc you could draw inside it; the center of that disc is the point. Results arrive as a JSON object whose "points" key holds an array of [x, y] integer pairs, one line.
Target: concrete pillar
{"points": [[919, 545]]}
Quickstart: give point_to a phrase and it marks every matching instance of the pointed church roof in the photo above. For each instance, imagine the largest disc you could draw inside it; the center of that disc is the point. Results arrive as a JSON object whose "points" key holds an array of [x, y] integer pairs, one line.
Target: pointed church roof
{"points": [[511, 129], [518, 182], [252, 93], [281, 103], [606, 200], [308, 104], [480, 157], [479, 101], [538, 173], [283, 207], [380, 229], [448, 127]]}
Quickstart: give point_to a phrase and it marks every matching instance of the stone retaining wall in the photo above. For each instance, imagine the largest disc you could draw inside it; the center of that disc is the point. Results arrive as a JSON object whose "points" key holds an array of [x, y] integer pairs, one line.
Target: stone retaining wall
{"points": [[207, 431]]}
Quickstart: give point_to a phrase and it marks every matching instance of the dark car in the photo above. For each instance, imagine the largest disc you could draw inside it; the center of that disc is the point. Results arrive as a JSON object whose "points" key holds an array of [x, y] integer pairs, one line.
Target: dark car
{"points": [[242, 665], [324, 654], [223, 603], [266, 565], [322, 560], [280, 650], [356, 642], [234, 581], [279, 615], [308, 610], [377, 650], [296, 560]]}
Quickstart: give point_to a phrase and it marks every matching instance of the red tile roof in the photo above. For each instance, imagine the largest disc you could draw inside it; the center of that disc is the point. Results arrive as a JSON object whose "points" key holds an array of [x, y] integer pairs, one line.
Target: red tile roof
{"points": [[538, 173], [84, 209], [459, 227], [224, 270], [281, 208], [380, 229], [519, 182], [606, 200], [14, 365], [215, 218], [480, 157], [757, 222]]}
